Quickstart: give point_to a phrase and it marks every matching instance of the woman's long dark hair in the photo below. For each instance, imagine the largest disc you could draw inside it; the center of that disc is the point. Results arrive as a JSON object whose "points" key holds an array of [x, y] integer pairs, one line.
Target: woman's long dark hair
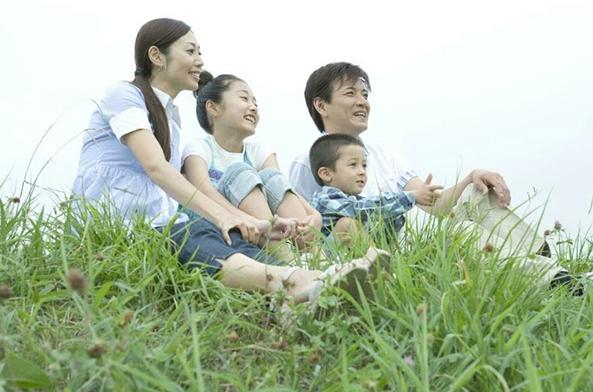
{"points": [[160, 33]]}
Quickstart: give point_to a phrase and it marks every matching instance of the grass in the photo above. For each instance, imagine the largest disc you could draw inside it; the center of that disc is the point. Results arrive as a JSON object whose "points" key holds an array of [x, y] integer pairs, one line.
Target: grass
{"points": [[88, 305]]}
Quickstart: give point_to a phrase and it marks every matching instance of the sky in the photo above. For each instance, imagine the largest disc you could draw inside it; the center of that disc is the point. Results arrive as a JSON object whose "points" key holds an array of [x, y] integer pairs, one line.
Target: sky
{"points": [[456, 85]]}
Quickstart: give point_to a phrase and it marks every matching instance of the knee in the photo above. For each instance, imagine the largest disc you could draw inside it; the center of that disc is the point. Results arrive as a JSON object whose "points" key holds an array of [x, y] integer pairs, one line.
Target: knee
{"points": [[238, 181], [240, 168], [345, 225], [270, 175], [275, 186], [345, 230]]}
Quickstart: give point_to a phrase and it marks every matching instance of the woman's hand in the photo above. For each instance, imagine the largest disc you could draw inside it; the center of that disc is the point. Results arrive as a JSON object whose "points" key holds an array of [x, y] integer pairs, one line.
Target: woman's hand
{"points": [[248, 228]]}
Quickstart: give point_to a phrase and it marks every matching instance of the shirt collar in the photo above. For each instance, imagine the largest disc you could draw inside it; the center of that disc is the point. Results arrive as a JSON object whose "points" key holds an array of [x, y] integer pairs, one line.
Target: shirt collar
{"points": [[165, 99], [168, 104]]}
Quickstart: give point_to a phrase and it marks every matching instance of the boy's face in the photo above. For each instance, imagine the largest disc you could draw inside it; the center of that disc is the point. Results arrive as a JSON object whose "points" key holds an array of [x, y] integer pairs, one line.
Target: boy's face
{"points": [[349, 173], [349, 108]]}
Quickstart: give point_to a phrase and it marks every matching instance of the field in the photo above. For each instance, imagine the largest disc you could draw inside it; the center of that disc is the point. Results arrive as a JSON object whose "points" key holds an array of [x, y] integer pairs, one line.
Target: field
{"points": [[88, 305]]}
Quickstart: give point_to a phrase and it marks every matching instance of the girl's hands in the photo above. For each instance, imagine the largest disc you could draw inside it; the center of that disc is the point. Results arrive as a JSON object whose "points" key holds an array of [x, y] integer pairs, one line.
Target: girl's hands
{"points": [[307, 227], [276, 229]]}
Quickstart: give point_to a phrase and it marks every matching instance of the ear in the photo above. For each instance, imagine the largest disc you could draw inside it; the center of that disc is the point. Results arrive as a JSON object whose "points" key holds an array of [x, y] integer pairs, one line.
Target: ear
{"points": [[319, 105], [156, 56], [326, 174], [213, 109]]}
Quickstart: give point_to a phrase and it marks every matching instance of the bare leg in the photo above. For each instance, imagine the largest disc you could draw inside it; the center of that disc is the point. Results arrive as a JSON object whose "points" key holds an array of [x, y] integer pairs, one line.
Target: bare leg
{"points": [[291, 207], [242, 272], [256, 205]]}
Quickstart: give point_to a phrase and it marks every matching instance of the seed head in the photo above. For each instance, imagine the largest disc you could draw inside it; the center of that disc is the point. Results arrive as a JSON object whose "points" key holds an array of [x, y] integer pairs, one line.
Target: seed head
{"points": [[233, 337], [76, 280], [370, 385], [14, 199], [409, 360], [421, 308], [546, 232], [5, 291], [127, 317], [97, 350], [99, 256], [488, 248], [557, 225], [280, 344], [288, 284], [314, 357]]}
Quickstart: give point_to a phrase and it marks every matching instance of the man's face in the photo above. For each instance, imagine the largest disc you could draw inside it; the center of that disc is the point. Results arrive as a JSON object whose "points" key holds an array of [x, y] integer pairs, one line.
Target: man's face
{"points": [[349, 108]]}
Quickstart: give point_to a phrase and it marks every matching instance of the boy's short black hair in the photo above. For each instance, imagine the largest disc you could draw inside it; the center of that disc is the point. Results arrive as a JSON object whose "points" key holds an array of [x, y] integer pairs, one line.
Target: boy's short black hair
{"points": [[325, 151], [321, 81]]}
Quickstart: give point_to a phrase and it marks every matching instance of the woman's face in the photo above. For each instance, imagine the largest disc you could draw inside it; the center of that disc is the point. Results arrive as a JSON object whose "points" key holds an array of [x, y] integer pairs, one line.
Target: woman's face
{"points": [[238, 110], [182, 66]]}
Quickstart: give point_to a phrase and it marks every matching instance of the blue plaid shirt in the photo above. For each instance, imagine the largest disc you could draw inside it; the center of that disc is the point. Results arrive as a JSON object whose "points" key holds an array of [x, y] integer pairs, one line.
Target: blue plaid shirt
{"points": [[334, 204]]}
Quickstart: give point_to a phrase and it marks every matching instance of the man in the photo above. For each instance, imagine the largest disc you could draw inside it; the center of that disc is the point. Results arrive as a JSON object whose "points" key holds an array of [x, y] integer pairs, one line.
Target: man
{"points": [[337, 98]]}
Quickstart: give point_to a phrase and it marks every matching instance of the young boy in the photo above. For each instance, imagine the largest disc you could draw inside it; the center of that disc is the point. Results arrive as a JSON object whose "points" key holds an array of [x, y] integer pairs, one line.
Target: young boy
{"points": [[338, 164]]}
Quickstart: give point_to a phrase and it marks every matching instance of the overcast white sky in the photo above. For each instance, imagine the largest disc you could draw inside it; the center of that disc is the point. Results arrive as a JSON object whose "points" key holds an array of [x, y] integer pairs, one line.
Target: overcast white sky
{"points": [[505, 85]]}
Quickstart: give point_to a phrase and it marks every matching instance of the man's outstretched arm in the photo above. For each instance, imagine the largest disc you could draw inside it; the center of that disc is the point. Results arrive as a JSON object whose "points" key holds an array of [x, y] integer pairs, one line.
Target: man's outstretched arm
{"points": [[481, 179]]}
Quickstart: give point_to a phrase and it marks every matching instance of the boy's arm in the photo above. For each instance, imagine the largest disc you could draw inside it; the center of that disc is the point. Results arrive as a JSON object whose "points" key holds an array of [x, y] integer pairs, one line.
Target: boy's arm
{"points": [[332, 204], [390, 203]]}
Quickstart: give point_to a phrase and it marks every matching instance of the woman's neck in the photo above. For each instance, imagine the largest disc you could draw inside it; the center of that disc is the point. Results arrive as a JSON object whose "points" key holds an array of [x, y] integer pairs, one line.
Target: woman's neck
{"points": [[229, 140], [158, 82]]}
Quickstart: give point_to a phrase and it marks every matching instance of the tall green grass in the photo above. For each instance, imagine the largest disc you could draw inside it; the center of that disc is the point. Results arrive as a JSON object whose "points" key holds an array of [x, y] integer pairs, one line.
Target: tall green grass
{"points": [[91, 305]]}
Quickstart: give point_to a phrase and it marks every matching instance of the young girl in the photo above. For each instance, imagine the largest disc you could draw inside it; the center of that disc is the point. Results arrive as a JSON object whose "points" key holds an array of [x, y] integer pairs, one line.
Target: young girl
{"points": [[131, 159], [243, 176]]}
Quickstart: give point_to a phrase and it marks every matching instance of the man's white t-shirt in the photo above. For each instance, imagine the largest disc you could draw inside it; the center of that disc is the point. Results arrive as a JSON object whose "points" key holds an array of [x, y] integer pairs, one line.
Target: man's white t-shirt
{"points": [[385, 172]]}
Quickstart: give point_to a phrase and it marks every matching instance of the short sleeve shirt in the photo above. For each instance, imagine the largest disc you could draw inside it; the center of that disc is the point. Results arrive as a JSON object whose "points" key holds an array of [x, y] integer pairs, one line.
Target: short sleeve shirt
{"points": [[109, 172], [218, 159]]}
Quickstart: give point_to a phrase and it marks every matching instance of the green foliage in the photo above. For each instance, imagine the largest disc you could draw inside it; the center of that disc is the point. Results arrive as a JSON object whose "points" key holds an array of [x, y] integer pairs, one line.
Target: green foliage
{"points": [[447, 317]]}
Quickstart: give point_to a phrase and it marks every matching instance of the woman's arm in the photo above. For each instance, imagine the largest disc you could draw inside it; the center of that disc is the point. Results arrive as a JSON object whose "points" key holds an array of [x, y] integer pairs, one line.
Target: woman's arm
{"points": [[149, 153]]}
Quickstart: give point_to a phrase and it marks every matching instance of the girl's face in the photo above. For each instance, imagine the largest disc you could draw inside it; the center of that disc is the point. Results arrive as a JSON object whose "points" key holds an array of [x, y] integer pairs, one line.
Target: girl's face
{"points": [[238, 110], [182, 66]]}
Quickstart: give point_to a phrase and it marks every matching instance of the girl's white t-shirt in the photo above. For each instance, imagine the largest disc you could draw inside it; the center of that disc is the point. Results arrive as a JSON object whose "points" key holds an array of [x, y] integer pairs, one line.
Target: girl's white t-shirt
{"points": [[219, 158]]}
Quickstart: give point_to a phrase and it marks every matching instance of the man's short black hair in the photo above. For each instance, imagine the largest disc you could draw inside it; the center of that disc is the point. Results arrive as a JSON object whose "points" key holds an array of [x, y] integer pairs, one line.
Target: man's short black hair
{"points": [[321, 81], [325, 151]]}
